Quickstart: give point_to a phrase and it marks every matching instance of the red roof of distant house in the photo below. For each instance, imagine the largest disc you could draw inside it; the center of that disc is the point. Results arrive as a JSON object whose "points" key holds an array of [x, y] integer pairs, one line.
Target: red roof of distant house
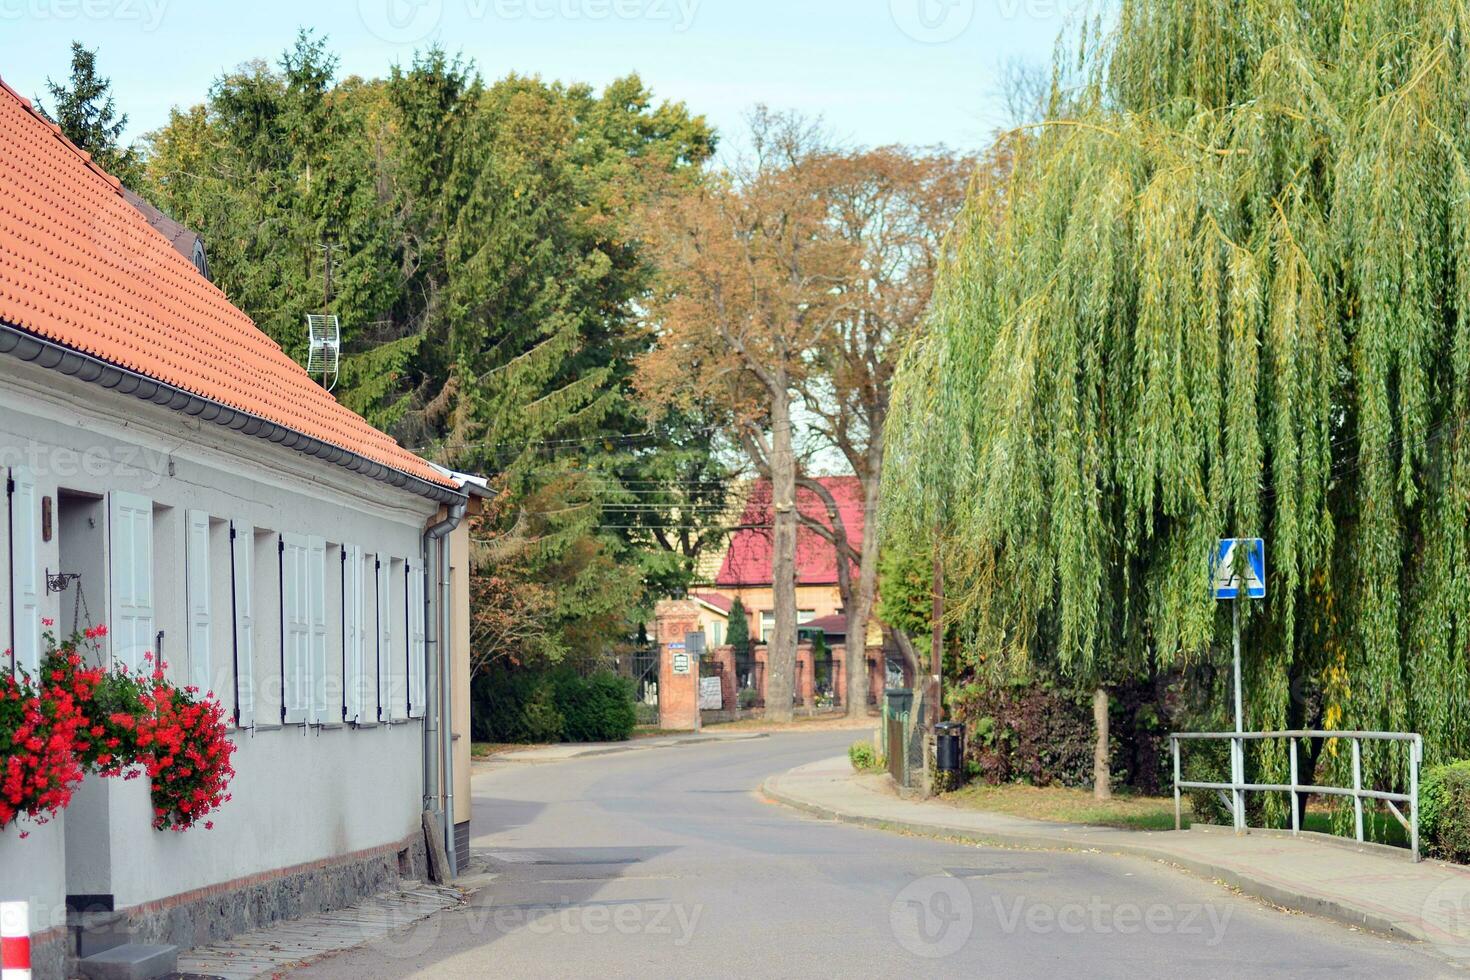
{"points": [[748, 561], [720, 602], [81, 267], [834, 625]]}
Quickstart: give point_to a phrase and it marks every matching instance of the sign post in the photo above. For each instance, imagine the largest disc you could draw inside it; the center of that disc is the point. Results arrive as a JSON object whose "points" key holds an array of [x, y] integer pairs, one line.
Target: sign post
{"points": [[1237, 572]]}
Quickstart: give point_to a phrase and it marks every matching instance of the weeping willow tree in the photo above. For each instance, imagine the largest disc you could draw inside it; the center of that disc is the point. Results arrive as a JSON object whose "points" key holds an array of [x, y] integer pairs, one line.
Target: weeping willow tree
{"points": [[1222, 291]]}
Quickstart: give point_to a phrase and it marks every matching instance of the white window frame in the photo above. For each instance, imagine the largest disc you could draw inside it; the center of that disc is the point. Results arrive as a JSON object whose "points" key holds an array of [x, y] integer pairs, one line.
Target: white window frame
{"points": [[295, 629], [354, 681], [24, 503], [417, 646], [380, 684], [197, 595], [316, 600], [130, 578], [242, 590]]}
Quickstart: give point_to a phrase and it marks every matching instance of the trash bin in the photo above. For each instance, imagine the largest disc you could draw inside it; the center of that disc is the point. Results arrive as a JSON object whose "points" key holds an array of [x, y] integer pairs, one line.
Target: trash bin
{"points": [[949, 746]]}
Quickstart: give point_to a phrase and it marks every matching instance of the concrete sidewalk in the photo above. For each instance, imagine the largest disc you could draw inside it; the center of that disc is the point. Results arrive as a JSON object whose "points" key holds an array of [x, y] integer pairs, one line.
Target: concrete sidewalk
{"points": [[1368, 886], [280, 947], [581, 750]]}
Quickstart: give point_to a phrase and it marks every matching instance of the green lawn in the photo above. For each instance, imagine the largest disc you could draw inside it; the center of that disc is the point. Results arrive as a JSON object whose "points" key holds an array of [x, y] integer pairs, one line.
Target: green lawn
{"points": [[1131, 812], [1065, 805]]}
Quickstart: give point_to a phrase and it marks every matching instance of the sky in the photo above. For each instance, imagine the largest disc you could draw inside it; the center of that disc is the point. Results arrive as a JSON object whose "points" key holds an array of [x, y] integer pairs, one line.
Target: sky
{"points": [[920, 72]]}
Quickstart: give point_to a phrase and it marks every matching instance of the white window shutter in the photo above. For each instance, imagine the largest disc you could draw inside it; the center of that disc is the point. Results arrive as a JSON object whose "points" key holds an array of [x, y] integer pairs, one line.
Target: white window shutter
{"points": [[352, 630], [196, 567], [242, 559], [317, 607], [25, 571], [380, 689], [417, 663], [130, 535], [295, 630]]}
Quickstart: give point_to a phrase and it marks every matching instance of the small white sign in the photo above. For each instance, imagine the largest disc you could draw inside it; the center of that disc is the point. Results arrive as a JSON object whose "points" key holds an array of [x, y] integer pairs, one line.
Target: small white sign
{"points": [[681, 663], [711, 697]]}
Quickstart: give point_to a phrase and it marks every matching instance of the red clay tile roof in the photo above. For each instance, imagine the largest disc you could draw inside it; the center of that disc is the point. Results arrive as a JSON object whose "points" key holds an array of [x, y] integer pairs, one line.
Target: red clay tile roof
{"points": [[748, 561], [714, 600], [82, 268]]}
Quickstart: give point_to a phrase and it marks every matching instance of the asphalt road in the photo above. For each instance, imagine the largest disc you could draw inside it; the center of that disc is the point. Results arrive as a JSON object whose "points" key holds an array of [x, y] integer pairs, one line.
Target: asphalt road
{"points": [[666, 862]]}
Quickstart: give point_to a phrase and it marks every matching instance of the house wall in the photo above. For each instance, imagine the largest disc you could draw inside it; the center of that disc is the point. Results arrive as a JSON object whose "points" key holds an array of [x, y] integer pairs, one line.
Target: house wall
{"points": [[301, 794], [822, 600]]}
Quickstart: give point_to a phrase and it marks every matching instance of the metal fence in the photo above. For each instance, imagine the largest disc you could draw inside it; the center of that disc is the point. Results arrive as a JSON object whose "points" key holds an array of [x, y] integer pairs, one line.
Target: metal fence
{"points": [[827, 682], [1237, 787], [750, 684]]}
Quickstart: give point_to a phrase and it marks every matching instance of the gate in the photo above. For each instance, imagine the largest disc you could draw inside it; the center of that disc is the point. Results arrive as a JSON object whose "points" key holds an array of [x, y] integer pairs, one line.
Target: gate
{"points": [[644, 665]]}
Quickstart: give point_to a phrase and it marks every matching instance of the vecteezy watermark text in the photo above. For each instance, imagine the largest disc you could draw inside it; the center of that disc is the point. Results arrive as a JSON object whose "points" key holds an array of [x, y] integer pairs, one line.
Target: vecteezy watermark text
{"points": [[145, 466], [934, 917], [942, 21], [148, 14], [661, 921], [1099, 918], [412, 21]]}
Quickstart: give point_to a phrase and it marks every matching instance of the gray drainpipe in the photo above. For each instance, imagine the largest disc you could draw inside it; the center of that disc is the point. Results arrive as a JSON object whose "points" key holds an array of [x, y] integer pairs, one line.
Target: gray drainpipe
{"points": [[439, 627]]}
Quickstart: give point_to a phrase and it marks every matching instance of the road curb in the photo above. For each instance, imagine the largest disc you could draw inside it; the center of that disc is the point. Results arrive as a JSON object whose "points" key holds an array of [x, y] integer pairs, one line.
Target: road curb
{"points": [[523, 757], [1245, 884]]}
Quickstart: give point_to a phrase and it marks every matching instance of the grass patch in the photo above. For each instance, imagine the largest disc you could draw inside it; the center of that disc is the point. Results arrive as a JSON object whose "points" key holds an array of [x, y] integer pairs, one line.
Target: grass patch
{"points": [[485, 750], [653, 731], [1063, 805], [1129, 812]]}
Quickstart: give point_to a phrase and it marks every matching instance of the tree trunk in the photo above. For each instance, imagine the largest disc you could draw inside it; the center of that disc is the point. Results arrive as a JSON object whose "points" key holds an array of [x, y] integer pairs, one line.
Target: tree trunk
{"points": [[1102, 777], [781, 653], [861, 609]]}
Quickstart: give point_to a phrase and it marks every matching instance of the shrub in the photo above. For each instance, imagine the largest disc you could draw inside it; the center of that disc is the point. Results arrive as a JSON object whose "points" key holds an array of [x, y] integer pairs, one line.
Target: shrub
{"points": [[522, 706], [1042, 733], [598, 708], [515, 706], [1444, 811], [864, 757], [737, 634]]}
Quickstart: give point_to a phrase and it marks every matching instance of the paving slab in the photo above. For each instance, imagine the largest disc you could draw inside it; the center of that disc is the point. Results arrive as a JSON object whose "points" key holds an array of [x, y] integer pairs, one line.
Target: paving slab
{"points": [[1366, 886], [266, 952]]}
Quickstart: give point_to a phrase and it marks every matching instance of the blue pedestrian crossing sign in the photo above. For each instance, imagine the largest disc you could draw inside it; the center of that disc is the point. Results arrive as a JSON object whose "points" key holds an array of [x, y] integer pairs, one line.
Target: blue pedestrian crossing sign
{"points": [[1239, 569]]}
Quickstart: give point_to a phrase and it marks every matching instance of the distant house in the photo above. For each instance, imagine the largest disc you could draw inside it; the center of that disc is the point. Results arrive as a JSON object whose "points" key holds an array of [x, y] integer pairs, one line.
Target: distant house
{"points": [[221, 510], [745, 571]]}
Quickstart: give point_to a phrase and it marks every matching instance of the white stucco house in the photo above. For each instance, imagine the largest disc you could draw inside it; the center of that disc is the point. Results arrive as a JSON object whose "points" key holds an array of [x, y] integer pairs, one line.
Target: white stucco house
{"points": [[198, 493]]}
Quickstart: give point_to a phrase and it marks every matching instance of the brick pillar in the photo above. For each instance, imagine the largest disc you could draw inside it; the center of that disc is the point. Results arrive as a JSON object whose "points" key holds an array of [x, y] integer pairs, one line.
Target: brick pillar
{"points": [[678, 672], [804, 677], [725, 657], [763, 670]]}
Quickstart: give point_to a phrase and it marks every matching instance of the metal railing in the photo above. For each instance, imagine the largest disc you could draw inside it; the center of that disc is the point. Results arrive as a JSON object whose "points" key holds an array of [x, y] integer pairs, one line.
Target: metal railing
{"points": [[1238, 787]]}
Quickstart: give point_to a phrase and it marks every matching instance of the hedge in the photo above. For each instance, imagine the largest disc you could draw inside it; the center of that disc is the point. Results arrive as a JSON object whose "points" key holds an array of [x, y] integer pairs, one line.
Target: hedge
{"points": [[520, 706], [1444, 811]]}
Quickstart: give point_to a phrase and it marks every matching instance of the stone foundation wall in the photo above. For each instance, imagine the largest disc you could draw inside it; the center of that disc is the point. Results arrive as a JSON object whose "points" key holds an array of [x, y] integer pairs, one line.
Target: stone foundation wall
{"points": [[49, 955], [220, 911]]}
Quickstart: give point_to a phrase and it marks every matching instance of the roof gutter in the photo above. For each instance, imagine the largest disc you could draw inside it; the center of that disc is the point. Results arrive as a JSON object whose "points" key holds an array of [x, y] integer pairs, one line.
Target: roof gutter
{"points": [[53, 356]]}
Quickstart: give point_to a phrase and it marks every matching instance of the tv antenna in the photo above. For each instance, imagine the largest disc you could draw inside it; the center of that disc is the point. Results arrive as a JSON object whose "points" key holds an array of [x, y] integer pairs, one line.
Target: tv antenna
{"points": [[324, 330]]}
